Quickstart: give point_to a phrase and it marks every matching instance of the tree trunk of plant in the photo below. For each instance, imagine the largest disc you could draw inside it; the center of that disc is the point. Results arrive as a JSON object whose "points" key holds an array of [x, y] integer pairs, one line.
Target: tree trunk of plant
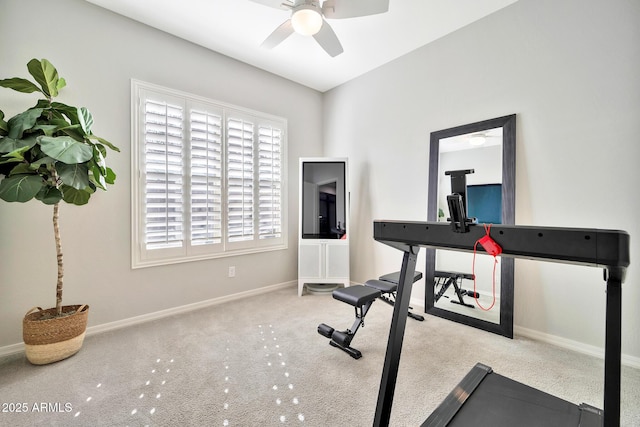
{"points": [[56, 231]]}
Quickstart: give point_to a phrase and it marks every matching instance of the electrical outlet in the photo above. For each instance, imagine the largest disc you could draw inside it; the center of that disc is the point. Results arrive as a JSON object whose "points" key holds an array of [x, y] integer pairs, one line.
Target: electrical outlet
{"points": [[232, 271]]}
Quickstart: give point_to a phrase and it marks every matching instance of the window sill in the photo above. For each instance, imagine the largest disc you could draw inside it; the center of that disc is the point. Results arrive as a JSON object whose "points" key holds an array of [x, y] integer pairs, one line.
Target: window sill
{"points": [[137, 264]]}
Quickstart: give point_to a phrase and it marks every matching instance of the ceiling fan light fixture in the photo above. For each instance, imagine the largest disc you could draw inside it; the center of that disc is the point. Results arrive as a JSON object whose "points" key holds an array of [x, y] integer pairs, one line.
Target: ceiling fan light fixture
{"points": [[306, 20]]}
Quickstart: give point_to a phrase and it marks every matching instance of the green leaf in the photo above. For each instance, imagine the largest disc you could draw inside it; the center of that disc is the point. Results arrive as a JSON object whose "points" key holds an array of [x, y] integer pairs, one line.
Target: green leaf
{"points": [[61, 83], [48, 130], [65, 149], [46, 74], [86, 119], [21, 85], [20, 188], [21, 169], [44, 161], [98, 178], [67, 110], [74, 131], [49, 195], [76, 176], [60, 122], [102, 150], [9, 145], [110, 177], [8, 160], [105, 142], [22, 122], [98, 156], [43, 103], [4, 126], [15, 156], [75, 197]]}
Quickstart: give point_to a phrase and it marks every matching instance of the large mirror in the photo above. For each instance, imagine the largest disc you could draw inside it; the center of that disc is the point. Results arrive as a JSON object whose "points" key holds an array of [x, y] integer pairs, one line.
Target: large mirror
{"points": [[476, 160], [323, 200]]}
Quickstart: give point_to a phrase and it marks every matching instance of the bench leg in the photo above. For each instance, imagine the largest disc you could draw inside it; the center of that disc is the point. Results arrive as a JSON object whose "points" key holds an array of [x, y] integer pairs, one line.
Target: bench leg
{"points": [[391, 300], [356, 354], [460, 296], [415, 316], [342, 339]]}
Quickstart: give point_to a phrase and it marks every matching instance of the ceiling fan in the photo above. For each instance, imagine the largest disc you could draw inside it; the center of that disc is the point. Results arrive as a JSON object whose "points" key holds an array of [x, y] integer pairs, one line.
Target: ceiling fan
{"points": [[308, 18]]}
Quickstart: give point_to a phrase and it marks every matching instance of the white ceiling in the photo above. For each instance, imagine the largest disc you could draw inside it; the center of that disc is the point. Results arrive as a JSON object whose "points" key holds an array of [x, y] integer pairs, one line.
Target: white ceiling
{"points": [[236, 28]]}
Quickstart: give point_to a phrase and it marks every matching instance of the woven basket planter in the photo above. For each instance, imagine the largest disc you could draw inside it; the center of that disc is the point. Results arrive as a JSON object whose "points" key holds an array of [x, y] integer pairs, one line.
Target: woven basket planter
{"points": [[52, 339]]}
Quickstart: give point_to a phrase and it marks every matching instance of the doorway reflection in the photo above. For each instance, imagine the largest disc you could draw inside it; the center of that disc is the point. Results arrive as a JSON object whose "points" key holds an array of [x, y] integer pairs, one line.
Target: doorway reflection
{"points": [[324, 206]]}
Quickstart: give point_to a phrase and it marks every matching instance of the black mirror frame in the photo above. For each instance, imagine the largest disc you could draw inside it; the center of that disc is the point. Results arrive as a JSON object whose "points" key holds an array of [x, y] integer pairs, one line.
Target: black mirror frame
{"points": [[508, 125]]}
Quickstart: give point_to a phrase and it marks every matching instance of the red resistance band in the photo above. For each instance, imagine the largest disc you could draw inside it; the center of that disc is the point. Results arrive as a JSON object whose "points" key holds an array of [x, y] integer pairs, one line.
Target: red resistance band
{"points": [[492, 248]]}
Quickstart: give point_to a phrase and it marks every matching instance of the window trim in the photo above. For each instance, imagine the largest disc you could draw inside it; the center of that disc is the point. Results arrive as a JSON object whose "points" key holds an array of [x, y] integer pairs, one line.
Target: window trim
{"points": [[140, 256]]}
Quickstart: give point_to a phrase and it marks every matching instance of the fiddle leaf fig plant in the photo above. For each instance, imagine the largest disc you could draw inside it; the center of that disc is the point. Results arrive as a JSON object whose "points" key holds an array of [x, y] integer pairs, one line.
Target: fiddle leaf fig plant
{"points": [[49, 152]]}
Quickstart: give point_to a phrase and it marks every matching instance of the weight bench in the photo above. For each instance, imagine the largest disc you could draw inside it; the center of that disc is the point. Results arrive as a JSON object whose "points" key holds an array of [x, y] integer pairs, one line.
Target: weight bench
{"points": [[444, 279], [389, 292], [361, 298]]}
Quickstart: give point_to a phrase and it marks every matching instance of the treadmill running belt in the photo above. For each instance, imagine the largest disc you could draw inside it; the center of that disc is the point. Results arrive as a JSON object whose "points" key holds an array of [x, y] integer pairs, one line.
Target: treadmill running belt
{"points": [[498, 401]]}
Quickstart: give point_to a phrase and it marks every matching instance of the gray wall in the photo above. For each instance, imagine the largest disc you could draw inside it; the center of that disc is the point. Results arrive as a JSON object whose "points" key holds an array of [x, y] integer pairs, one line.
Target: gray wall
{"points": [[569, 69], [98, 52]]}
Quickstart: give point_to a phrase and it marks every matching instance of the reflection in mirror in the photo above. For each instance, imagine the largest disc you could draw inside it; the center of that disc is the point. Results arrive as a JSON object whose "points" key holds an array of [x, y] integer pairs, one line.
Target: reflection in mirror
{"points": [[323, 195], [476, 161], [478, 155]]}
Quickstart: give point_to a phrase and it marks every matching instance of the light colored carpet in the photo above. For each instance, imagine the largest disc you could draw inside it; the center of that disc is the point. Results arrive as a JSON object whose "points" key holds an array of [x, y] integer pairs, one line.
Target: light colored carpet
{"points": [[260, 362]]}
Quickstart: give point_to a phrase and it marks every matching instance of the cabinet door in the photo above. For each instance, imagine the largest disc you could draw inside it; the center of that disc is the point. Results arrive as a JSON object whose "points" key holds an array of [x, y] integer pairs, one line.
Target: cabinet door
{"points": [[311, 261], [337, 261]]}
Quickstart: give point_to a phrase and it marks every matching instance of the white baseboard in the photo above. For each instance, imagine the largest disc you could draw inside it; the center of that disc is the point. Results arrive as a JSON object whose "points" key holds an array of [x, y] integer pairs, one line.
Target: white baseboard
{"points": [[92, 330], [631, 361], [11, 349], [418, 305]]}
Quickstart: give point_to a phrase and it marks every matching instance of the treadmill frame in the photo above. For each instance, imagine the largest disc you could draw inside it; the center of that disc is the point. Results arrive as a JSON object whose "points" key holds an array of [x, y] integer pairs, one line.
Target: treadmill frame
{"points": [[608, 249]]}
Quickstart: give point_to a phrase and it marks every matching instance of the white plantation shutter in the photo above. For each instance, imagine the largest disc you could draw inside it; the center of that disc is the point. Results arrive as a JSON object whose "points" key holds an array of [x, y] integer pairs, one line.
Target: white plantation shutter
{"points": [[269, 181], [206, 178], [211, 178], [240, 199], [163, 133]]}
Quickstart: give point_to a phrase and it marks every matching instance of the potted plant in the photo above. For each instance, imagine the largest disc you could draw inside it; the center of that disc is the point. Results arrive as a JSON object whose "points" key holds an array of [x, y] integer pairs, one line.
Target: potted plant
{"points": [[50, 154]]}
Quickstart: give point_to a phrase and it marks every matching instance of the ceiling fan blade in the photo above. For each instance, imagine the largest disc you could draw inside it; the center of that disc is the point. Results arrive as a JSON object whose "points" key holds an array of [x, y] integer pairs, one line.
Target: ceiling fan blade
{"points": [[338, 9], [278, 4], [279, 34], [328, 40]]}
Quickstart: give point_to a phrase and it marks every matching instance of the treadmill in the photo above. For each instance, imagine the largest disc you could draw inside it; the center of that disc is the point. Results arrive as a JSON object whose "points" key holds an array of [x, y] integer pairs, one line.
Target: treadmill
{"points": [[484, 397]]}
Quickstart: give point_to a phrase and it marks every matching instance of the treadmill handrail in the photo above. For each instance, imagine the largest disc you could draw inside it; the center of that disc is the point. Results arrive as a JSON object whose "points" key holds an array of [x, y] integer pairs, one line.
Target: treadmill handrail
{"points": [[586, 246]]}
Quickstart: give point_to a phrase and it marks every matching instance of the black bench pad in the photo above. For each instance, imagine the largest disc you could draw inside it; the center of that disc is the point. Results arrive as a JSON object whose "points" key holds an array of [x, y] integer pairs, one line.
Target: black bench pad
{"points": [[383, 286], [395, 277], [356, 295]]}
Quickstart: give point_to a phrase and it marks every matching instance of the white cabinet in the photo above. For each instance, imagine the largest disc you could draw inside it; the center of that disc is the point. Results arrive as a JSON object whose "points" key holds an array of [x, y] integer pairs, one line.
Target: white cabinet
{"points": [[323, 262], [323, 237]]}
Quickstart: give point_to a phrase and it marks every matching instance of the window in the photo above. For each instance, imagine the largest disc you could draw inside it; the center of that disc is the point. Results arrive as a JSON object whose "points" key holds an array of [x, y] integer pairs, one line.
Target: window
{"points": [[208, 181]]}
